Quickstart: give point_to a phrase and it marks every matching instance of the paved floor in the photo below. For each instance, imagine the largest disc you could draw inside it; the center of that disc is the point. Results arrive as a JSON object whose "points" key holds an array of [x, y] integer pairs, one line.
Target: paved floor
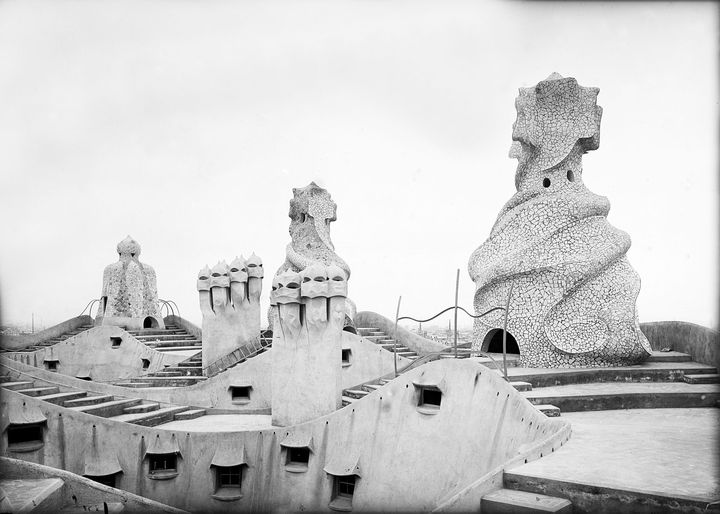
{"points": [[221, 423], [660, 451], [22, 495]]}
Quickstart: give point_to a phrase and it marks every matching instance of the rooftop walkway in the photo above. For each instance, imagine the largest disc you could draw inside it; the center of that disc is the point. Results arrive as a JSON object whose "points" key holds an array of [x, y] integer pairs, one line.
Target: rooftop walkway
{"points": [[647, 457]]}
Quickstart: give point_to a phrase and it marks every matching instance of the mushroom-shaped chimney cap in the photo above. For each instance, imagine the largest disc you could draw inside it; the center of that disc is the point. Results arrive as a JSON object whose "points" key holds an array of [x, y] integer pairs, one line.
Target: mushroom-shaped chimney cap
{"points": [[128, 246], [238, 264], [221, 268], [253, 261]]}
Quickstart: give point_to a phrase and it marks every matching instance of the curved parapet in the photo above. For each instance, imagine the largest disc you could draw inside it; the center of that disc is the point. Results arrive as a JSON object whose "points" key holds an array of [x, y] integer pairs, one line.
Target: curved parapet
{"points": [[365, 361], [574, 290], [435, 430], [17, 343], [701, 343], [103, 353], [416, 343], [77, 492]]}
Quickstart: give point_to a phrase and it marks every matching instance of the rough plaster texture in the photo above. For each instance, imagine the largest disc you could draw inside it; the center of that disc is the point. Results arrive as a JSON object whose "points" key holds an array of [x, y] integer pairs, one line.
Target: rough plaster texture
{"points": [[92, 354], [230, 306], [385, 438], [573, 302], [80, 492], [311, 212], [129, 291], [307, 344], [368, 362]]}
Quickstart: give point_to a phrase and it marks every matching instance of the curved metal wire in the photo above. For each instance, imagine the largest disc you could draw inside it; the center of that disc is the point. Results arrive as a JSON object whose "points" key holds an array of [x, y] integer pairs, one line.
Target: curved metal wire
{"points": [[451, 308], [171, 306], [90, 304]]}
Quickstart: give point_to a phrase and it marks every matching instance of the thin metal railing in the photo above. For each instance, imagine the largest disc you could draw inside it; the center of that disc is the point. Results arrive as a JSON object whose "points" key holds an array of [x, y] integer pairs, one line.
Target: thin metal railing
{"points": [[456, 308], [90, 304]]}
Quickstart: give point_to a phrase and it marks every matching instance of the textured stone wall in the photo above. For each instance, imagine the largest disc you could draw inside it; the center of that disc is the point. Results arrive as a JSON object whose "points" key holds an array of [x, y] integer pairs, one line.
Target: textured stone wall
{"points": [[311, 212], [573, 302], [129, 292]]}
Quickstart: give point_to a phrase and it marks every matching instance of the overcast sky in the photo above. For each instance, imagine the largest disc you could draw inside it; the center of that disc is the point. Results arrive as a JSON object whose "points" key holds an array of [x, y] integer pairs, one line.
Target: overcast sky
{"points": [[186, 124]]}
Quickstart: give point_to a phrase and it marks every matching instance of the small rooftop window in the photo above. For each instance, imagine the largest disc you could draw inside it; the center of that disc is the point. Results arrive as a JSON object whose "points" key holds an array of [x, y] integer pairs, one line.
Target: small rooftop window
{"points": [[346, 357], [228, 482], [145, 363], [115, 342], [240, 394], [25, 437], [343, 491]]}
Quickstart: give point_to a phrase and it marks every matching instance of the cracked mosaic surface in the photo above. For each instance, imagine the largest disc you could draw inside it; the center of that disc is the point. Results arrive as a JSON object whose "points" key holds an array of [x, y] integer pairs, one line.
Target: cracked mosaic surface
{"points": [[129, 285], [573, 302], [311, 212]]}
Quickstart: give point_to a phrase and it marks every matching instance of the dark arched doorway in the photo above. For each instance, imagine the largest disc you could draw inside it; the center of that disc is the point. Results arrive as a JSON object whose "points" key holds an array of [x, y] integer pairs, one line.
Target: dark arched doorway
{"points": [[150, 322], [493, 342]]}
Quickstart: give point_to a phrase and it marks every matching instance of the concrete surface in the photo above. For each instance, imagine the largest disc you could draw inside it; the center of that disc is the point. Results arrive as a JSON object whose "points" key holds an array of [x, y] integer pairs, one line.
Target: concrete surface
{"points": [[25, 495], [666, 452], [221, 423]]}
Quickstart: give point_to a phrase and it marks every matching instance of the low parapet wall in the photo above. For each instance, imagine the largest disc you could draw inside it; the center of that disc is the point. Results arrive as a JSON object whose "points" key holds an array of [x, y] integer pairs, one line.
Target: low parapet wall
{"points": [[702, 343], [368, 361], [418, 344], [80, 492], [23, 341], [102, 353], [445, 452]]}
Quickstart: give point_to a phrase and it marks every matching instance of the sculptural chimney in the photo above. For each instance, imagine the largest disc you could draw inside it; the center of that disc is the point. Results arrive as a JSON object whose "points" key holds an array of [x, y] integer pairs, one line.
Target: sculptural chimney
{"points": [[129, 292]]}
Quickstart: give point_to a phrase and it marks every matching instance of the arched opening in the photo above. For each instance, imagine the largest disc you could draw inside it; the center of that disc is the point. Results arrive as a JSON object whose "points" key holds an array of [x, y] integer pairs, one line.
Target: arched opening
{"points": [[150, 322], [493, 342], [350, 328]]}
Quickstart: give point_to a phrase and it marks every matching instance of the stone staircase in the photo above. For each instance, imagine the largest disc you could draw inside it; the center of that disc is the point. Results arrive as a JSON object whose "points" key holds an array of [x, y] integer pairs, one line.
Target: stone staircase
{"points": [[190, 371], [52, 341], [382, 339], [170, 339], [665, 380], [128, 410]]}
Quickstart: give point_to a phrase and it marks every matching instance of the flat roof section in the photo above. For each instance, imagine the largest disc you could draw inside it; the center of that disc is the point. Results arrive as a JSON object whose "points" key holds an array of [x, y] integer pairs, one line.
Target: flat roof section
{"points": [[221, 423], [661, 452]]}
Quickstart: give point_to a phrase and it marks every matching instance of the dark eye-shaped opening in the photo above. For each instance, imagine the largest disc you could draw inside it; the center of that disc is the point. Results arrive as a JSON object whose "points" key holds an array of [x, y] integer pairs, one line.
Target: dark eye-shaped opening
{"points": [[571, 175], [234, 270], [319, 279], [251, 265], [259, 265], [203, 277], [306, 279], [132, 254], [274, 288], [546, 182], [245, 270], [293, 285], [216, 274], [338, 278]]}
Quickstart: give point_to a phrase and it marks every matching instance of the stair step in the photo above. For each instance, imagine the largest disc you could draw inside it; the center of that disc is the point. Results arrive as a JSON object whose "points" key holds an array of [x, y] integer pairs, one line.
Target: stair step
{"points": [[189, 364], [522, 386], [143, 407], [709, 378], [355, 393], [190, 414], [166, 381], [510, 501], [13, 386], [347, 400], [167, 373], [177, 348], [549, 410], [371, 387], [39, 391], [656, 356], [134, 385], [153, 418], [5, 378], [59, 398], [108, 409], [186, 371], [88, 400]]}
